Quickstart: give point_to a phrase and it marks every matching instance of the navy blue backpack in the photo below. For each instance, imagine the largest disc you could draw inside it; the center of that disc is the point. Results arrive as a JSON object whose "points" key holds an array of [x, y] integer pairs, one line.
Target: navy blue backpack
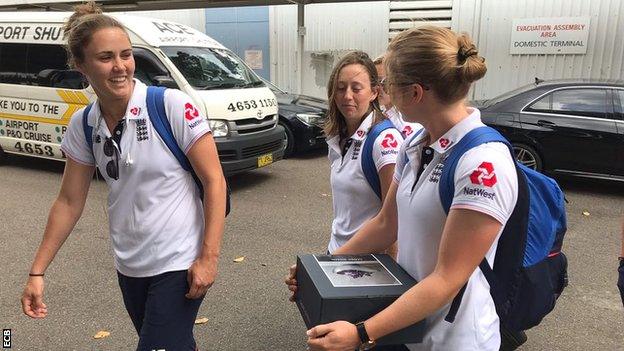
{"points": [[368, 164], [158, 116], [530, 271]]}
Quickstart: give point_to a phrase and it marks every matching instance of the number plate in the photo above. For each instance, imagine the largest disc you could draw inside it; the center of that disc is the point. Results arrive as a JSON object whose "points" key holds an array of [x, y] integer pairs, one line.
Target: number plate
{"points": [[265, 160]]}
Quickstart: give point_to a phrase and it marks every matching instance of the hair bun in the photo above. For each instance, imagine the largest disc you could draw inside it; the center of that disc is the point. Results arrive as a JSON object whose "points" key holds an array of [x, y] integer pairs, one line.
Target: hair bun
{"points": [[88, 8], [466, 48], [471, 66], [464, 53]]}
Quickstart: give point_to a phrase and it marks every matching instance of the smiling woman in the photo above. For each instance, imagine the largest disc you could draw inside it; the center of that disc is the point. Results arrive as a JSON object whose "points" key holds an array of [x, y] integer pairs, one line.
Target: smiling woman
{"points": [[172, 257], [109, 66], [100, 49]]}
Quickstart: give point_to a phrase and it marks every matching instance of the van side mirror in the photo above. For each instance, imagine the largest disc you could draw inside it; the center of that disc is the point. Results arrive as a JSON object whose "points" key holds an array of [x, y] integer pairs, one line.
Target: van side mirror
{"points": [[165, 81]]}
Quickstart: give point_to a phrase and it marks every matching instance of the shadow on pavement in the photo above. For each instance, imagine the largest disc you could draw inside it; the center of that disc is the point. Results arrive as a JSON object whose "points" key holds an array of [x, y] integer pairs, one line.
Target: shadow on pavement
{"points": [[35, 163], [310, 154], [246, 180]]}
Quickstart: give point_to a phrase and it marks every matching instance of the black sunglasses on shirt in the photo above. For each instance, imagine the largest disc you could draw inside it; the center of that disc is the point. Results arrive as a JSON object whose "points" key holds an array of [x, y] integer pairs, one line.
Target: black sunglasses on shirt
{"points": [[110, 149]]}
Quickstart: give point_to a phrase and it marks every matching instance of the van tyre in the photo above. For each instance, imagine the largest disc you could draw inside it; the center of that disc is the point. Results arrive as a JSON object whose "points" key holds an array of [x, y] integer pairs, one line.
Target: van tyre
{"points": [[527, 155], [289, 140]]}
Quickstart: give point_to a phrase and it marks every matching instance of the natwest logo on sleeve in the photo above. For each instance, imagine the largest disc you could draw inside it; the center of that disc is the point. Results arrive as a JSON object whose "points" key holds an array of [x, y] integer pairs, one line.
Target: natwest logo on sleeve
{"points": [[190, 112], [407, 130], [484, 175], [389, 141]]}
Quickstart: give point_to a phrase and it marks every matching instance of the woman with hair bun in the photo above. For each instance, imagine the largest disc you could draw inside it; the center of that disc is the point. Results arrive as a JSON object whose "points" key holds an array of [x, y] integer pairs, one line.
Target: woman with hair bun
{"points": [[430, 71], [165, 240]]}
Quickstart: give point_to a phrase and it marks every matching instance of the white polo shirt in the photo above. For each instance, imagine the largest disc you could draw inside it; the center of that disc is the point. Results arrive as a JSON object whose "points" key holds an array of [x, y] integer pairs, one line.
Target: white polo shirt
{"points": [[354, 200], [485, 181], [155, 213], [407, 128]]}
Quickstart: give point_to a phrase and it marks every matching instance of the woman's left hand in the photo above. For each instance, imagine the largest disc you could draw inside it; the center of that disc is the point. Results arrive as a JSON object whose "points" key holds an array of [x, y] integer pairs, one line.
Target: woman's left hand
{"points": [[201, 276], [336, 336]]}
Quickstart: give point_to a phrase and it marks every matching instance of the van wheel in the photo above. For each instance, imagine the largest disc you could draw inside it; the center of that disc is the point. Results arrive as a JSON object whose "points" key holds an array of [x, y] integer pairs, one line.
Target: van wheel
{"points": [[528, 156], [289, 140]]}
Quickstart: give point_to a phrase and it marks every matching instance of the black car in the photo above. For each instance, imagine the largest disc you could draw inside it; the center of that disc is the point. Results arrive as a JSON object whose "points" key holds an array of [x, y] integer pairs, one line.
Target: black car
{"points": [[573, 127], [302, 117]]}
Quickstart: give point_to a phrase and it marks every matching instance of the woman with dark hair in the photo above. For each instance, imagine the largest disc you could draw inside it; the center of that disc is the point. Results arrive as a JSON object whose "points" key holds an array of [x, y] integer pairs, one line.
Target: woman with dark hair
{"points": [[353, 112], [166, 241]]}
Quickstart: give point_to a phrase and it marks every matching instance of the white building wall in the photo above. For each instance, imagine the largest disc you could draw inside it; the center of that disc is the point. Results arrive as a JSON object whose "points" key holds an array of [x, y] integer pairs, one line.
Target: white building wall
{"points": [[490, 24], [331, 31]]}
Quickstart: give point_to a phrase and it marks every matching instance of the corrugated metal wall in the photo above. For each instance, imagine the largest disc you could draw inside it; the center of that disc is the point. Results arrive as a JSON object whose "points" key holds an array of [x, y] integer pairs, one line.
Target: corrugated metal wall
{"points": [[490, 21], [409, 14], [283, 46], [331, 30]]}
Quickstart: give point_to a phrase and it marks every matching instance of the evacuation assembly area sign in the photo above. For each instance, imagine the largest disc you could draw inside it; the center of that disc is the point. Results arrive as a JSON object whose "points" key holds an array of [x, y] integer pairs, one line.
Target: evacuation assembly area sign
{"points": [[561, 35]]}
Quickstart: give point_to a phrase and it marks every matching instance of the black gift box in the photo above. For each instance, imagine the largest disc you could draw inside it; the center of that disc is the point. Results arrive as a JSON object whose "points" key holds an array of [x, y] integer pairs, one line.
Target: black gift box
{"points": [[352, 288]]}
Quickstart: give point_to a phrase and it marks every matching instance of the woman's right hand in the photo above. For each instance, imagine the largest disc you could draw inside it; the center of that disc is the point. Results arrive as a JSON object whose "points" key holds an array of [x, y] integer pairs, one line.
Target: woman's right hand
{"points": [[32, 298], [292, 282]]}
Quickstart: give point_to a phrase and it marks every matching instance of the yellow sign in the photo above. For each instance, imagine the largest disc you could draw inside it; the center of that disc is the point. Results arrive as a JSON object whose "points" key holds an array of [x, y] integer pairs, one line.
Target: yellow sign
{"points": [[76, 100]]}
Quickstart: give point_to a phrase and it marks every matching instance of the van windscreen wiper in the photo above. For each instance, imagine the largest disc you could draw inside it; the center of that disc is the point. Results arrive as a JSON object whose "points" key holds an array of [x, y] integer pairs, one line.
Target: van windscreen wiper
{"points": [[257, 83], [218, 86]]}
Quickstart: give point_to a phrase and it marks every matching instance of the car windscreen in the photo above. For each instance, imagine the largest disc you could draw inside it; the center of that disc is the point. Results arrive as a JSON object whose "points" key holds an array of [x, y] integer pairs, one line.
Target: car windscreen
{"points": [[207, 68]]}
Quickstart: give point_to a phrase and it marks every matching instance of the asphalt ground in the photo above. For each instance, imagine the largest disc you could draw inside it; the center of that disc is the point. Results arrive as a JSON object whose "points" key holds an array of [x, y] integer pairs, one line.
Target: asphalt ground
{"points": [[278, 211]]}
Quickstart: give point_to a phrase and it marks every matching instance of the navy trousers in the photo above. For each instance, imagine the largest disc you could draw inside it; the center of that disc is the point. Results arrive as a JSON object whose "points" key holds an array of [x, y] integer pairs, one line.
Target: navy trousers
{"points": [[161, 315]]}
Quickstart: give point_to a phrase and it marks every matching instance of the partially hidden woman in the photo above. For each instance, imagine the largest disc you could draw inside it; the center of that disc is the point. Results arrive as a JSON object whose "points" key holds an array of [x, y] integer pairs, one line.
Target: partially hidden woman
{"points": [[430, 71], [388, 108], [166, 241]]}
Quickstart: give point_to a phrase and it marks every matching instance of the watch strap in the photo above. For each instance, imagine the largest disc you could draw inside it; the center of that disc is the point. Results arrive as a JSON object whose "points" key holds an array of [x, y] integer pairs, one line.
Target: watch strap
{"points": [[361, 329]]}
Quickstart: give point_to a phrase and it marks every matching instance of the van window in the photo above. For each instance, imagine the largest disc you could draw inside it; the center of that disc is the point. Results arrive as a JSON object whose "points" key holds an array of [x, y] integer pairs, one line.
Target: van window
{"points": [[13, 64], [148, 69], [206, 68], [39, 65]]}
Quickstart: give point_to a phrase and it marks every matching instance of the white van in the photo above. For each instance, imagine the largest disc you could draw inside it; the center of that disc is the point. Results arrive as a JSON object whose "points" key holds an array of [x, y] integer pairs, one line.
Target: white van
{"points": [[39, 93]]}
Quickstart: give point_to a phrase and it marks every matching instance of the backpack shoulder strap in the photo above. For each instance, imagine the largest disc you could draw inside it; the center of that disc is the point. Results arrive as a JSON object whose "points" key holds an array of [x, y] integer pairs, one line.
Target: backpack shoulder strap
{"points": [[446, 191], [368, 164], [474, 138], [88, 130], [158, 117]]}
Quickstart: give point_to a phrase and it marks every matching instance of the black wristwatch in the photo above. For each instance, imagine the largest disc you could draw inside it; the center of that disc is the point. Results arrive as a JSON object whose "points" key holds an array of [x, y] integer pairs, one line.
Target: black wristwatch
{"points": [[366, 342]]}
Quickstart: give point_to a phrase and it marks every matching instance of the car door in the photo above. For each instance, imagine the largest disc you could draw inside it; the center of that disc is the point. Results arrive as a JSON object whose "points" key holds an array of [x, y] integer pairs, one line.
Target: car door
{"points": [[618, 99], [575, 129]]}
